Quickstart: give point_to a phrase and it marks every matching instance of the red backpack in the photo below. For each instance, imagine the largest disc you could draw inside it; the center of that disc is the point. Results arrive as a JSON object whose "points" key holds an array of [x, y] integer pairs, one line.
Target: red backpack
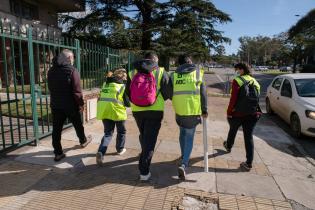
{"points": [[143, 88]]}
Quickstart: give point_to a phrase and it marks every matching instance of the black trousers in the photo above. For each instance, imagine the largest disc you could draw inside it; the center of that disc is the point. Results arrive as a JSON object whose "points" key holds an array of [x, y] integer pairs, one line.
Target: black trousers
{"points": [[248, 123], [59, 118], [149, 130]]}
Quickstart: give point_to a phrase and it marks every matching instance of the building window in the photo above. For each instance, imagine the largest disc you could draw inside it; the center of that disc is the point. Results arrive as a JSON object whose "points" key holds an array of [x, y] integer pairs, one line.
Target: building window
{"points": [[24, 9]]}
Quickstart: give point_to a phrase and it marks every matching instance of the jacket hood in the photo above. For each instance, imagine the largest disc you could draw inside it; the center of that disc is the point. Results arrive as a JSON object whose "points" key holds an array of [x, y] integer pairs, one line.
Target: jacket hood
{"points": [[145, 66], [114, 80], [186, 68], [60, 61]]}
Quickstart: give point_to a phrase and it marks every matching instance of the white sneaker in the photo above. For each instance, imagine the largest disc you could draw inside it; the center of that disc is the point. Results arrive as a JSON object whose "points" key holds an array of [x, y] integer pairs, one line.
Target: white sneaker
{"points": [[145, 177], [99, 158], [122, 151], [181, 172]]}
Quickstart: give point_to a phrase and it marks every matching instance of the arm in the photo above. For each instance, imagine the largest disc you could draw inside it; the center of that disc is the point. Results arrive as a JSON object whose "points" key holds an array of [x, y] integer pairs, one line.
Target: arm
{"points": [[165, 86], [126, 99], [76, 88], [233, 99], [203, 100]]}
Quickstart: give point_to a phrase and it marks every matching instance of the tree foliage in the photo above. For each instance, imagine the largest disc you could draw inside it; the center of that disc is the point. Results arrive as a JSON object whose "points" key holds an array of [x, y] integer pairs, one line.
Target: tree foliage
{"points": [[166, 26]]}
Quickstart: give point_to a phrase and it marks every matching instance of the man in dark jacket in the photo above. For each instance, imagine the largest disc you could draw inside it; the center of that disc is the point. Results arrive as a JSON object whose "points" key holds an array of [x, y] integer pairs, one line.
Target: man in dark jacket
{"points": [[149, 118], [66, 100], [189, 100]]}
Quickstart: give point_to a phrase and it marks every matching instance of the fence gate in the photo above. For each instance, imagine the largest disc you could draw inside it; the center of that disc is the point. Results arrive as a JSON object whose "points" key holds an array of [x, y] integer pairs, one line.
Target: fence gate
{"points": [[25, 59], [24, 99]]}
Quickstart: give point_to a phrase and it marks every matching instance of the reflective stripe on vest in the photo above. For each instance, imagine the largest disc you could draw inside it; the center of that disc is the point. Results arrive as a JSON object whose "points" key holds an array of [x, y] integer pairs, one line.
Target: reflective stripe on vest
{"points": [[186, 94], [110, 105], [159, 103], [247, 78]]}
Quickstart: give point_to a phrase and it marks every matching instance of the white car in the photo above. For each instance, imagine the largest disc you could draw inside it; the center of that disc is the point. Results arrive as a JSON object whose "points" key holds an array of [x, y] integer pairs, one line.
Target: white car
{"points": [[292, 97]]}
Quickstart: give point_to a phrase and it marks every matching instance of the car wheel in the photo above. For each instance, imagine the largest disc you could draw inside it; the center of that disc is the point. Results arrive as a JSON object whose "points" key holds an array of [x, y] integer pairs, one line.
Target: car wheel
{"points": [[268, 107], [295, 125]]}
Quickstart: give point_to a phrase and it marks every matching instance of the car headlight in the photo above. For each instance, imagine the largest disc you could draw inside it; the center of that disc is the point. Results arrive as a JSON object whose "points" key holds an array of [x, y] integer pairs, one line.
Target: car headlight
{"points": [[310, 114]]}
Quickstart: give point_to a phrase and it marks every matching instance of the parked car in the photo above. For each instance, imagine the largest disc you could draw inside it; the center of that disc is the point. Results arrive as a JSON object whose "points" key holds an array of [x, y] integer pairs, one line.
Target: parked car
{"points": [[285, 68], [261, 68], [292, 97]]}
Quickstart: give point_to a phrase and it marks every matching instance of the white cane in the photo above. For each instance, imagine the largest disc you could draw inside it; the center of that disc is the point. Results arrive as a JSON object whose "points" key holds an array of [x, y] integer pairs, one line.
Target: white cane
{"points": [[205, 144]]}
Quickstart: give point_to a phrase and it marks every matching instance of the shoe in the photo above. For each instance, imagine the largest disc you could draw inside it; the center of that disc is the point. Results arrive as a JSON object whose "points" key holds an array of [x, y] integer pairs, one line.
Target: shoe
{"points": [[122, 151], [99, 158], [88, 140], [228, 150], [181, 172], [59, 157], [245, 166], [145, 177]]}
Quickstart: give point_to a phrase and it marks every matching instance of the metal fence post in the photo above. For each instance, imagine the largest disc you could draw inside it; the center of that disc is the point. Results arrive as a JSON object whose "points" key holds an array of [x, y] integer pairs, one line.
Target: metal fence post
{"points": [[77, 60], [32, 78]]}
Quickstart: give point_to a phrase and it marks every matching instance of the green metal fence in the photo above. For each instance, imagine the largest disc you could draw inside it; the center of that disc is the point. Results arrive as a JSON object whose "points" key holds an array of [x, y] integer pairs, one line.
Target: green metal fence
{"points": [[25, 59]]}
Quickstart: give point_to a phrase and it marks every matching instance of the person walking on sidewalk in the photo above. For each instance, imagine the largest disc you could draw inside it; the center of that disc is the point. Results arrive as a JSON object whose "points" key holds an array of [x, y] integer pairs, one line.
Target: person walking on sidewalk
{"points": [[147, 88], [111, 109], [189, 99], [243, 110], [66, 100]]}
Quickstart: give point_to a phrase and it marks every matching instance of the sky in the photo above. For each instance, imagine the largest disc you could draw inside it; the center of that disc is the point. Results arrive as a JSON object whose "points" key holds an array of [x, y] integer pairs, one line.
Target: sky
{"points": [[259, 17]]}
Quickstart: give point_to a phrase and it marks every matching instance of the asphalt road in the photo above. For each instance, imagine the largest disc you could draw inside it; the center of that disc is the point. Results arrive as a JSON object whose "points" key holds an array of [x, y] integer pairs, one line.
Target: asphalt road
{"points": [[219, 80]]}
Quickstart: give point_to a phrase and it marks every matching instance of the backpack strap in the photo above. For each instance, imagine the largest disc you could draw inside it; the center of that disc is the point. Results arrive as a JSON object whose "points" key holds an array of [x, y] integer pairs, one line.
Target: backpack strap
{"points": [[243, 80]]}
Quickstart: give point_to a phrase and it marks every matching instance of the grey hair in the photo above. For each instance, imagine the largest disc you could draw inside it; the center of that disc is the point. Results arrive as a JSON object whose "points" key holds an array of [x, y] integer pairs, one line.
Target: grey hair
{"points": [[66, 54]]}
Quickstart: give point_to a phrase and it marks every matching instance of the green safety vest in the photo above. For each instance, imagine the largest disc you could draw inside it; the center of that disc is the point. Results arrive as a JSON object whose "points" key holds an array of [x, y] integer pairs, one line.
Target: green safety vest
{"points": [[186, 93], [247, 78], [111, 103], [159, 103]]}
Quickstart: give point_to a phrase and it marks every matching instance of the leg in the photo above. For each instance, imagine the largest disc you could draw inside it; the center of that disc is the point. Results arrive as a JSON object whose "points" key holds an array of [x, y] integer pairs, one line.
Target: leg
{"points": [[121, 135], [189, 139], [140, 124], [150, 134], [75, 118], [109, 127], [234, 123], [248, 128], [59, 118], [182, 134]]}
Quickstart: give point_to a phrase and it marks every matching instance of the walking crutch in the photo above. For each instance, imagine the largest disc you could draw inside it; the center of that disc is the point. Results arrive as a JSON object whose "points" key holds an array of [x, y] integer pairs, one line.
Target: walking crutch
{"points": [[205, 144]]}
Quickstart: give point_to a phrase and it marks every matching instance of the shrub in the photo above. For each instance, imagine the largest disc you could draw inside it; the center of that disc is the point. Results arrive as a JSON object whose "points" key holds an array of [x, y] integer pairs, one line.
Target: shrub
{"points": [[308, 68]]}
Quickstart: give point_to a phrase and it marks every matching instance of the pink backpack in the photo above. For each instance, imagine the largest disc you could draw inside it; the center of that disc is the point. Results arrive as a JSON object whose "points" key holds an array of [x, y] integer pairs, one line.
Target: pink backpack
{"points": [[143, 89]]}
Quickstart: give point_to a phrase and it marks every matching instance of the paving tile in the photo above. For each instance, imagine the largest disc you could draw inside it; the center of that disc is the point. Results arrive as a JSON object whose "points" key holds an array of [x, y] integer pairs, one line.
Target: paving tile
{"points": [[264, 207]]}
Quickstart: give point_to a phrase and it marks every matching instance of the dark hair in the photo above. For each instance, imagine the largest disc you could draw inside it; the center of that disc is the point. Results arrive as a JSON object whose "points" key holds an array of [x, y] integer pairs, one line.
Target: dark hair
{"points": [[182, 59], [150, 55], [244, 67]]}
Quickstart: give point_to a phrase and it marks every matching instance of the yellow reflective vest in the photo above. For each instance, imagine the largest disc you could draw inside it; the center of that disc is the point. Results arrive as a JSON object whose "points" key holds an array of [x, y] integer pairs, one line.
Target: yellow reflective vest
{"points": [[186, 93], [111, 103], [247, 78], [159, 103]]}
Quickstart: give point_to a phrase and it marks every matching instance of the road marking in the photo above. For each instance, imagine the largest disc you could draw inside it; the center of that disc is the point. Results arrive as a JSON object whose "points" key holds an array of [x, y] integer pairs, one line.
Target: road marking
{"points": [[221, 80]]}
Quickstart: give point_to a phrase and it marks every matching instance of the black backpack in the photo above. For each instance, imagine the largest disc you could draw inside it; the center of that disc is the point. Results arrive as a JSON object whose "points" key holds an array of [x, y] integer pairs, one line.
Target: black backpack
{"points": [[248, 98]]}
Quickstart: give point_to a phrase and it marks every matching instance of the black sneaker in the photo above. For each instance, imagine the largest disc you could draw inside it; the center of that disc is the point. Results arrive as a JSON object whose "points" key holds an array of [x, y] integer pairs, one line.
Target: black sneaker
{"points": [[59, 157], [226, 147], [245, 166], [181, 172], [87, 141]]}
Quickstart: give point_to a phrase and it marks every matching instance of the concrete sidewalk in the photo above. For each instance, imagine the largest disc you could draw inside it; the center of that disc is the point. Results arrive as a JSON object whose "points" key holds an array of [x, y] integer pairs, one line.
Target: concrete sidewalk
{"points": [[30, 179]]}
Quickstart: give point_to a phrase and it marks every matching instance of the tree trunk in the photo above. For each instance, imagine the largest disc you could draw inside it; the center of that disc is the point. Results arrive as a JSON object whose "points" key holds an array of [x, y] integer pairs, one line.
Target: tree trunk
{"points": [[146, 24]]}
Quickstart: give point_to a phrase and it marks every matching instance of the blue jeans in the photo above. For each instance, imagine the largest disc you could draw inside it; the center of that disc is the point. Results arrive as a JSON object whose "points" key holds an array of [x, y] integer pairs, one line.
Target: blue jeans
{"points": [[186, 140], [109, 126]]}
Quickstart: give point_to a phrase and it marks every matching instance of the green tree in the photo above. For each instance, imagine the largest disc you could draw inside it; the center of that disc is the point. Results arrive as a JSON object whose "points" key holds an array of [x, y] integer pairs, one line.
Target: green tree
{"points": [[170, 26]]}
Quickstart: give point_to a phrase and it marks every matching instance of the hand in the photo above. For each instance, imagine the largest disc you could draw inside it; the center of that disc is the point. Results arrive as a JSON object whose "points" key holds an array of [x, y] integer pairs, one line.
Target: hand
{"points": [[205, 115], [81, 108]]}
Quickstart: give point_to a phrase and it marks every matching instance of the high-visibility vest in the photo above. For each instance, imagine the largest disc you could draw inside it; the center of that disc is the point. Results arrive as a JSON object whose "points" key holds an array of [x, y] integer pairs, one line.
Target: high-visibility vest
{"points": [[111, 103], [186, 93], [247, 78], [159, 103]]}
